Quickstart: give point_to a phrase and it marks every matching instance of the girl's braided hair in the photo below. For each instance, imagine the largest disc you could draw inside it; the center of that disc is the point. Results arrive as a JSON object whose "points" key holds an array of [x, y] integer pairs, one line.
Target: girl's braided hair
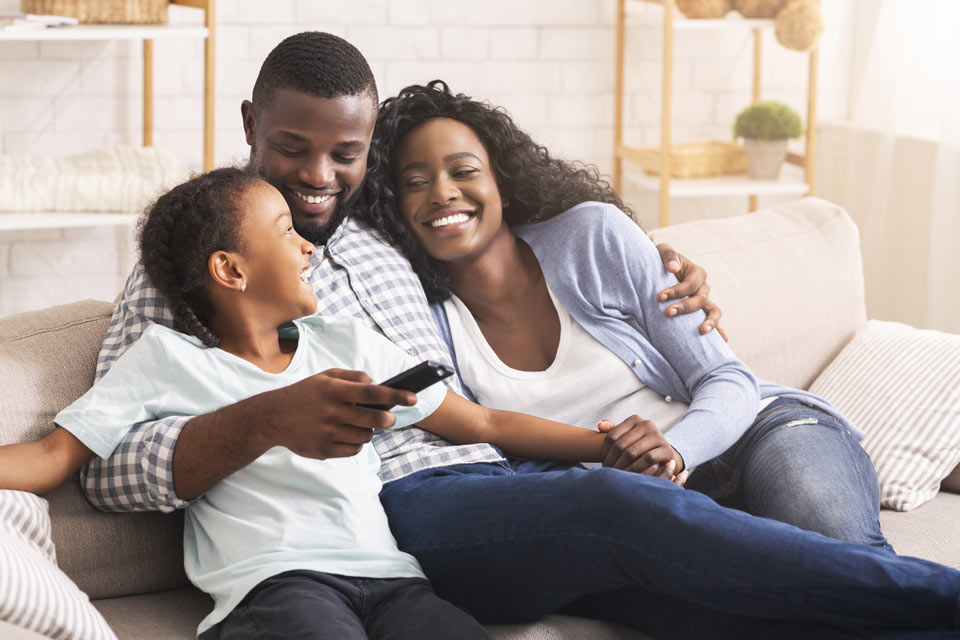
{"points": [[177, 234], [537, 185]]}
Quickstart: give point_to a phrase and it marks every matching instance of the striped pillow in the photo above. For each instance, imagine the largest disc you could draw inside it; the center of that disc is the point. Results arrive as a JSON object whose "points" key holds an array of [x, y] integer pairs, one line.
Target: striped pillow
{"points": [[902, 387], [34, 593]]}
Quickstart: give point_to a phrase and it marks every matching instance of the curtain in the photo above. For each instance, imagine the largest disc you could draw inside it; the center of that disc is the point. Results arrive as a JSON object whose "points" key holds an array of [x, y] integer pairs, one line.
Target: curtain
{"points": [[902, 179]]}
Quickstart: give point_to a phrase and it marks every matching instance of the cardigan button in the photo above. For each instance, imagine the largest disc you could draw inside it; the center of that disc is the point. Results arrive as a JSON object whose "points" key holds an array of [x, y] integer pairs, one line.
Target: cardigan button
{"points": [[667, 399], [637, 362]]}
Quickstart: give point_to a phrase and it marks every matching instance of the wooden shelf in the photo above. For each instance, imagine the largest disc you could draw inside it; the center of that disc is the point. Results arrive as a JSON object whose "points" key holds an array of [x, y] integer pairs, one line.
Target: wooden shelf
{"points": [[106, 32], [797, 180], [791, 183], [64, 220], [147, 34]]}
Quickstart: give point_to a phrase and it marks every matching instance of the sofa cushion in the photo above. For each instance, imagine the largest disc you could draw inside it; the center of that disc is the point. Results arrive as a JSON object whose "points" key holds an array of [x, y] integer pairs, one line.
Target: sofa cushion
{"points": [[901, 385], [34, 594], [928, 532], [788, 279], [47, 360]]}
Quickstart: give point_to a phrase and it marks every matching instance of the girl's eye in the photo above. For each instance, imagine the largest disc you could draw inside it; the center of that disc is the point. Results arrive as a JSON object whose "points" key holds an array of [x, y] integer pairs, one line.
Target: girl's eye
{"points": [[414, 184], [464, 173], [346, 159], [289, 230]]}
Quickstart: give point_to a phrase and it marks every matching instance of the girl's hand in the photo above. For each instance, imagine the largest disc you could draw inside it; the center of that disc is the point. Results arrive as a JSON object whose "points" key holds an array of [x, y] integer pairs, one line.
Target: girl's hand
{"points": [[637, 445]]}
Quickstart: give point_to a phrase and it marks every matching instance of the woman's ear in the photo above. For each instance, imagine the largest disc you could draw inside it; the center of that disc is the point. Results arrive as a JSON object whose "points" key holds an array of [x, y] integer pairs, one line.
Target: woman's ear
{"points": [[227, 270]]}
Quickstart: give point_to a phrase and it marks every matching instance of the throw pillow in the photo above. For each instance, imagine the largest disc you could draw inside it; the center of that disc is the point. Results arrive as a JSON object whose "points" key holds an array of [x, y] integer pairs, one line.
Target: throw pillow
{"points": [[34, 593], [901, 385]]}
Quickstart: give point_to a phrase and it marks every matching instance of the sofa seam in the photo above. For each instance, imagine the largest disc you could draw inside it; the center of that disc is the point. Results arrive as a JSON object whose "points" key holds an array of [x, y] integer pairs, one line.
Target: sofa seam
{"points": [[57, 328]]}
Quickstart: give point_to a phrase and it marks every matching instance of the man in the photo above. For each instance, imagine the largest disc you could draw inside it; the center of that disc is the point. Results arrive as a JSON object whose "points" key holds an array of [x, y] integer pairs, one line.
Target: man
{"points": [[507, 540]]}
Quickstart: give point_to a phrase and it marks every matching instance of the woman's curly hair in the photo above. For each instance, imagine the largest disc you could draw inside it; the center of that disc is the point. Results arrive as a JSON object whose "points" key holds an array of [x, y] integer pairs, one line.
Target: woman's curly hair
{"points": [[536, 185], [177, 234]]}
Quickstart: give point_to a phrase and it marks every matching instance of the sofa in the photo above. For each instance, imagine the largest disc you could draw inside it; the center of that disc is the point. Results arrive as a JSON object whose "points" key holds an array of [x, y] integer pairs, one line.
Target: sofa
{"points": [[789, 280]]}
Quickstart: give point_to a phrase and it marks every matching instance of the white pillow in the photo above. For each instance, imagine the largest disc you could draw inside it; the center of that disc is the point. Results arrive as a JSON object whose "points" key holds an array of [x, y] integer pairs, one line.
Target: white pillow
{"points": [[902, 387], [34, 593]]}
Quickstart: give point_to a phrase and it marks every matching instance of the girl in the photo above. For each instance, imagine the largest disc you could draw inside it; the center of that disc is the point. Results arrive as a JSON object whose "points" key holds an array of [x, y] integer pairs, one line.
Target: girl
{"points": [[548, 290], [223, 251]]}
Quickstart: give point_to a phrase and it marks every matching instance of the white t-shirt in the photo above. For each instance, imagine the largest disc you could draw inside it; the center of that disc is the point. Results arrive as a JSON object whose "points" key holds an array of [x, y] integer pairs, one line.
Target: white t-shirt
{"points": [[585, 383], [282, 511]]}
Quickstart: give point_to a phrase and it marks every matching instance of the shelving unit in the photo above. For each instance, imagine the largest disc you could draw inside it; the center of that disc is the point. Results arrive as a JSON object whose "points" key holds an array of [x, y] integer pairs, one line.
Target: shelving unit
{"points": [[146, 33], [793, 181]]}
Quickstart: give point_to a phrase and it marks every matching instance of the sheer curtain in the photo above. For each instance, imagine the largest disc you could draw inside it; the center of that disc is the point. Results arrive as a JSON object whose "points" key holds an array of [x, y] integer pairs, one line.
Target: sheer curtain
{"points": [[903, 159]]}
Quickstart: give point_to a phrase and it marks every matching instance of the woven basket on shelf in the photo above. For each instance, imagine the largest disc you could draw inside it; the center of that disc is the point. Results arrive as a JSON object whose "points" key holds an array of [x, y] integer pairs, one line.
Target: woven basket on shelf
{"points": [[102, 11], [696, 159]]}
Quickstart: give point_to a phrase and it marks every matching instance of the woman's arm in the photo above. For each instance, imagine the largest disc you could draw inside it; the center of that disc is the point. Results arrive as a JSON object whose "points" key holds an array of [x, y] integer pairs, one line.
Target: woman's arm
{"points": [[518, 434], [42, 466]]}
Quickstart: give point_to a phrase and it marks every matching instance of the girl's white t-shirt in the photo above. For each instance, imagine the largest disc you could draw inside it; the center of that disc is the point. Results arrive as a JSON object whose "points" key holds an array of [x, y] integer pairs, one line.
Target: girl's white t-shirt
{"points": [[282, 511], [585, 383]]}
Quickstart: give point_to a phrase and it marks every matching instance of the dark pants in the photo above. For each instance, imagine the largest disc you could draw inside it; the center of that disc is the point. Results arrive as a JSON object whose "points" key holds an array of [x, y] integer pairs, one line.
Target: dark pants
{"points": [[308, 604]]}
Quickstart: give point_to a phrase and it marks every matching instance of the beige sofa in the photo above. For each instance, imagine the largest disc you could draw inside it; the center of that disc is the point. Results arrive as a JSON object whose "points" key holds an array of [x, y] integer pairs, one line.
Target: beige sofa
{"points": [[764, 266]]}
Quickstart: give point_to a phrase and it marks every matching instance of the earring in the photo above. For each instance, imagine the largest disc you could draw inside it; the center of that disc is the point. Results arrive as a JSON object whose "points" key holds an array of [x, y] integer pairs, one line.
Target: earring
{"points": [[243, 288]]}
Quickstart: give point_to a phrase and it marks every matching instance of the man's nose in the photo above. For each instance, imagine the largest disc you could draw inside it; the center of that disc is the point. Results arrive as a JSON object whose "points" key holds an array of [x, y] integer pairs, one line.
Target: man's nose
{"points": [[317, 171]]}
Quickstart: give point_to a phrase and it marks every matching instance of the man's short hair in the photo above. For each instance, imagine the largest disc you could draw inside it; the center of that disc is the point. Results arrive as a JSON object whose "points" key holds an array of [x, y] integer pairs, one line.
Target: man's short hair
{"points": [[317, 64]]}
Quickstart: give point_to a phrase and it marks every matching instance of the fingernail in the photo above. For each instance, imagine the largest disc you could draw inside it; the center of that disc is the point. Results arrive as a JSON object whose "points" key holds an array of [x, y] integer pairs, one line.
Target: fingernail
{"points": [[671, 312], [662, 297], [673, 265], [671, 464]]}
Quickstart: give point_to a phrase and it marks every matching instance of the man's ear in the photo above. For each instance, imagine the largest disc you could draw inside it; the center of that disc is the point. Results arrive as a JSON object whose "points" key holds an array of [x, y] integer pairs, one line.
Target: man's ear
{"points": [[249, 122], [227, 270]]}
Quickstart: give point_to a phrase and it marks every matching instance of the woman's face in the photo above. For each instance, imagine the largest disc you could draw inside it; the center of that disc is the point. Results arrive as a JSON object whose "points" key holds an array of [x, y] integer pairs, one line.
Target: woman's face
{"points": [[447, 191], [276, 258]]}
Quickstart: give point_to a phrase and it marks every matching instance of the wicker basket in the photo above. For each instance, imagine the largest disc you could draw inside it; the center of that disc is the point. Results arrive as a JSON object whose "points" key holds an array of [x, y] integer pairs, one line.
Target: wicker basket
{"points": [[696, 159], [102, 11]]}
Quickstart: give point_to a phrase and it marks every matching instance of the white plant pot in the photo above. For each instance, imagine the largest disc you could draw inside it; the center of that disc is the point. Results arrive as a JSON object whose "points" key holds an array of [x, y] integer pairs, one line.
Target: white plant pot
{"points": [[764, 159]]}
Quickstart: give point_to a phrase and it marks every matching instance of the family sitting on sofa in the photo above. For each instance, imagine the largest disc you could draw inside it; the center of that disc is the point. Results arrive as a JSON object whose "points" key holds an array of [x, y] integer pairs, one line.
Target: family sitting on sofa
{"points": [[268, 301]]}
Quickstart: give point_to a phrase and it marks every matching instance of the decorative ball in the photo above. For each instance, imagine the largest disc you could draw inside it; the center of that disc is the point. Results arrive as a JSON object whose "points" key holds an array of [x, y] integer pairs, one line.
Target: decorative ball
{"points": [[758, 8], [799, 25], [704, 8]]}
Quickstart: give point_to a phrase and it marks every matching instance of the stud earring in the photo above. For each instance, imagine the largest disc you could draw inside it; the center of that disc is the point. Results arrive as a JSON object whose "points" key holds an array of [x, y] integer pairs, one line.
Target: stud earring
{"points": [[243, 288]]}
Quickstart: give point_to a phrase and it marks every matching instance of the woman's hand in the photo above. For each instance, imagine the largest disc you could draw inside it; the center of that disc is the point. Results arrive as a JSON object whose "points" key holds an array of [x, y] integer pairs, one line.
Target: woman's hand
{"points": [[637, 445], [693, 285]]}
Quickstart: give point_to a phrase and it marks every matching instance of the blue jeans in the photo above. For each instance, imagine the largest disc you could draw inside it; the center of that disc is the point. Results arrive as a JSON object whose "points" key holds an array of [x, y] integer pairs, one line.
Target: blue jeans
{"points": [[513, 542], [796, 464]]}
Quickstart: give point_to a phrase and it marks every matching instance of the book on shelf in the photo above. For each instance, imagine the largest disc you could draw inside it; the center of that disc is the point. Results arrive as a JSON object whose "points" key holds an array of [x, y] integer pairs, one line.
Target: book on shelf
{"points": [[29, 21]]}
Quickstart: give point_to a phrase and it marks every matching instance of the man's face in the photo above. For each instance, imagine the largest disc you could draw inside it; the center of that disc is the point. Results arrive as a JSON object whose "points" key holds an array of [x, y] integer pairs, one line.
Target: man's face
{"points": [[314, 151]]}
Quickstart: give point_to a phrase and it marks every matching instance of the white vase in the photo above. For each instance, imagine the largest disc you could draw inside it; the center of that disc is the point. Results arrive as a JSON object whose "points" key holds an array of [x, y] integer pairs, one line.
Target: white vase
{"points": [[764, 159]]}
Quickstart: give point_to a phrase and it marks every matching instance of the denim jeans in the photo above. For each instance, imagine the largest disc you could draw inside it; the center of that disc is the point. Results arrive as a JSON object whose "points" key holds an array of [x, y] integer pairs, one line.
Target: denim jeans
{"points": [[796, 464], [309, 605], [513, 542]]}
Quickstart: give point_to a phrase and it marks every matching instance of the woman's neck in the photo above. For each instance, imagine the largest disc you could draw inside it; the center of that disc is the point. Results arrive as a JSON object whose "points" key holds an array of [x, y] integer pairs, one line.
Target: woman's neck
{"points": [[504, 274]]}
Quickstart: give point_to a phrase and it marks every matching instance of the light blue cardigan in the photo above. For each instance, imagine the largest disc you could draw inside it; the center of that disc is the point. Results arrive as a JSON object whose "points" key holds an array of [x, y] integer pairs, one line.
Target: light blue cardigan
{"points": [[606, 273]]}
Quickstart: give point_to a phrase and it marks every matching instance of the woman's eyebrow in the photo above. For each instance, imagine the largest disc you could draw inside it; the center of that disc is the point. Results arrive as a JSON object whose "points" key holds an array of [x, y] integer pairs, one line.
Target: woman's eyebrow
{"points": [[446, 159]]}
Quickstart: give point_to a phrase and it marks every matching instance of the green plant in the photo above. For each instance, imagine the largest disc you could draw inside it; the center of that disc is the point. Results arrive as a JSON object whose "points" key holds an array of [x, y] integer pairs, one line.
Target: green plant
{"points": [[768, 121]]}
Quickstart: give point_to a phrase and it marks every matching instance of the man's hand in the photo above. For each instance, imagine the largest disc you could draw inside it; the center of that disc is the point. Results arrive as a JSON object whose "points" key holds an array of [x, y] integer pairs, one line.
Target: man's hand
{"points": [[693, 285], [318, 417], [315, 418], [637, 445]]}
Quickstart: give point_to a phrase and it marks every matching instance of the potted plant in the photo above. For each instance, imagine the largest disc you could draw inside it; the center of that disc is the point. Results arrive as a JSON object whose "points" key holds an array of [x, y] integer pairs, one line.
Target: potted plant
{"points": [[765, 128]]}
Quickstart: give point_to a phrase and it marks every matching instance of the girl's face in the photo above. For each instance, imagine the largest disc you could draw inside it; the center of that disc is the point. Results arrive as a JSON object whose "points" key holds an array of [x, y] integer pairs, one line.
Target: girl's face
{"points": [[447, 190], [276, 258]]}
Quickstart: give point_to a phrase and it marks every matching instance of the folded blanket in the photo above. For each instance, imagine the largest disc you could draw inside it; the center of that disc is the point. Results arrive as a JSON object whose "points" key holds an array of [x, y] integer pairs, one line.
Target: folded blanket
{"points": [[121, 179]]}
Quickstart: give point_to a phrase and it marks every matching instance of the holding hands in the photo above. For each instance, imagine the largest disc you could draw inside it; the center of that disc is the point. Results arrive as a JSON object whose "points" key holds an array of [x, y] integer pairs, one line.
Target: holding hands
{"points": [[637, 445]]}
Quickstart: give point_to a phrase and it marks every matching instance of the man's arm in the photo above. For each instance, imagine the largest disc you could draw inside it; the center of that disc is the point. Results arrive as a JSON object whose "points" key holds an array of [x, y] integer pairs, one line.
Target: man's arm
{"points": [[317, 417], [692, 286]]}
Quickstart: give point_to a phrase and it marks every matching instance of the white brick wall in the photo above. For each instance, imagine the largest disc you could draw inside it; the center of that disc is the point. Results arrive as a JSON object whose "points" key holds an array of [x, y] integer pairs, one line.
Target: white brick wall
{"points": [[549, 62]]}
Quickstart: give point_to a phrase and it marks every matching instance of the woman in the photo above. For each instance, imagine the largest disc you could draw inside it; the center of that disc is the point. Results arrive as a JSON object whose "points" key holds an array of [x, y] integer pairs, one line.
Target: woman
{"points": [[549, 290]]}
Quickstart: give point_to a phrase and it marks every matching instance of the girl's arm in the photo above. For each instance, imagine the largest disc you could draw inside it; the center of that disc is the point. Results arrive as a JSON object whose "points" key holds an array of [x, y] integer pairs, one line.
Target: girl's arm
{"points": [[518, 434], [42, 466]]}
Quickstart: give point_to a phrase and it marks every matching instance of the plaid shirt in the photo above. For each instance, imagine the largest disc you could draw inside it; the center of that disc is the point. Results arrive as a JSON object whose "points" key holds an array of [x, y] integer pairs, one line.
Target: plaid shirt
{"points": [[359, 274]]}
